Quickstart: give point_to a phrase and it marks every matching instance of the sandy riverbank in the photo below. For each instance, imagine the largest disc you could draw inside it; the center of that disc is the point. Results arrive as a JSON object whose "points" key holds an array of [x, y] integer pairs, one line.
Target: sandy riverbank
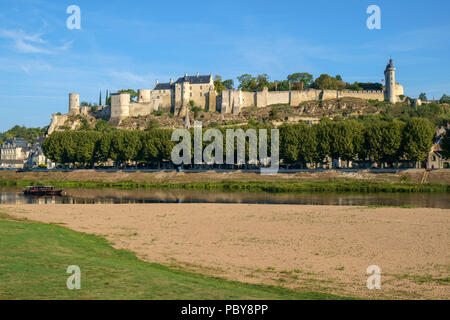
{"points": [[309, 247], [406, 176]]}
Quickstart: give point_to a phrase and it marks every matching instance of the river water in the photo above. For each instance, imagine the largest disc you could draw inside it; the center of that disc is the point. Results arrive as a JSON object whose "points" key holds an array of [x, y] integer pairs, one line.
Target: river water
{"points": [[116, 196]]}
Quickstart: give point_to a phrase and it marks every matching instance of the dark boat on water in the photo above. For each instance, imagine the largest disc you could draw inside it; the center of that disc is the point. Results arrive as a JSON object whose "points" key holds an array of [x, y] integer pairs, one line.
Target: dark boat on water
{"points": [[42, 191]]}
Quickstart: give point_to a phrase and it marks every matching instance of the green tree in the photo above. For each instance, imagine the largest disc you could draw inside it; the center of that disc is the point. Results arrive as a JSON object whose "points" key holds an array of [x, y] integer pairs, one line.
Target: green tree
{"points": [[418, 139], [156, 146], [444, 99], [298, 144], [218, 84], [125, 146], [298, 78], [102, 125], [354, 87], [262, 81], [326, 82], [133, 94], [308, 144], [103, 146], [85, 125], [53, 147], [324, 138], [61, 147], [85, 143], [29, 134], [228, 84], [247, 82], [370, 86], [107, 98], [346, 139], [383, 141], [423, 96], [289, 144], [100, 98]]}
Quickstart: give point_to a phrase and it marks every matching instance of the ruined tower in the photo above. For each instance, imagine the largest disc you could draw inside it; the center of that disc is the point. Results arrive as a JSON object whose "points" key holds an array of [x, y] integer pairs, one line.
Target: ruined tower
{"points": [[120, 106], [144, 95], [74, 103]]}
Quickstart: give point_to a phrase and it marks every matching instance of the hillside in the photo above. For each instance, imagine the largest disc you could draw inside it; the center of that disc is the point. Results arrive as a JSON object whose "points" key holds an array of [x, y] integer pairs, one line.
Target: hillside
{"points": [[313, 111]]}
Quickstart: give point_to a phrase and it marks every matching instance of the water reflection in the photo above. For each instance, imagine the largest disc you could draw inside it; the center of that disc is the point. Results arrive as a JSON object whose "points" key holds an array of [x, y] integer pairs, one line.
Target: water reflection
{"points": [[111, 196]]}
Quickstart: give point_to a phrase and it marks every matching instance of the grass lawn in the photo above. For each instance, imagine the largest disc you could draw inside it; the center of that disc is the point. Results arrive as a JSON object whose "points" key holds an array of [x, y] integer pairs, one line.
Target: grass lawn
{"points": [[34, 258]]}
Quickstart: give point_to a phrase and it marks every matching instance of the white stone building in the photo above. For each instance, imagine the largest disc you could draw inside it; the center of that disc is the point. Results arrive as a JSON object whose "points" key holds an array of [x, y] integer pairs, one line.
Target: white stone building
{"points": [[14, 153]]}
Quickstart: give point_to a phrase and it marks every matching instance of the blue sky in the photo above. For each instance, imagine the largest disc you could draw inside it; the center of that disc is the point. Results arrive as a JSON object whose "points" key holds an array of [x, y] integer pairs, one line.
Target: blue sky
{"points": [[130, 44]]}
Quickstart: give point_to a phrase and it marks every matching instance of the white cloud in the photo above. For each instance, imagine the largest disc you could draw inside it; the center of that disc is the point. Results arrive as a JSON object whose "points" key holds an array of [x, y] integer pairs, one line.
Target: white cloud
{"points": [[31, 43]]}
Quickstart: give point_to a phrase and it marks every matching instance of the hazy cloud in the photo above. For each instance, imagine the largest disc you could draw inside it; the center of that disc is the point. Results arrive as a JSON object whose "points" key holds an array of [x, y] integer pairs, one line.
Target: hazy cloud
{"points": [[31, 43]]}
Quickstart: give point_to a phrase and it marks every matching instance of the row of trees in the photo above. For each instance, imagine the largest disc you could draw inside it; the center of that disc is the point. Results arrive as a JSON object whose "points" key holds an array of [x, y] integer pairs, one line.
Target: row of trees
{"points": [[89, 147], [302, 80], [383, 141]]}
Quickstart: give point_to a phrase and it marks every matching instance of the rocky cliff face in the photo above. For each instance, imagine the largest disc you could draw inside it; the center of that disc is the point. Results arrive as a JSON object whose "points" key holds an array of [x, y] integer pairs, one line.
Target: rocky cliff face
{"points": [[276, 114]]}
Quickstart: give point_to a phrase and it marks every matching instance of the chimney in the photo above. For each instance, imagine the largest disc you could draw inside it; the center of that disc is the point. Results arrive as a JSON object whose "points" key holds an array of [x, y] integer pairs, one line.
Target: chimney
{"points": [[157, 81], [171, 80], [185, 75], [197, 74]]}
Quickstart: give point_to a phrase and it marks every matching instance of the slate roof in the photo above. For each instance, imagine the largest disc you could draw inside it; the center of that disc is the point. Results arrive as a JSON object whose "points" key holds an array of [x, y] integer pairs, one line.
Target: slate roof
{"points": [[163, 86], [195, 79], [191, 79], [17, 142]]}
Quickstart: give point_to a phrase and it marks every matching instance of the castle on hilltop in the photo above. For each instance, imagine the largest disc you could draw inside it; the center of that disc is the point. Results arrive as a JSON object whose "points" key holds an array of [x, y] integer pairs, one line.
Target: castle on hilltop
{"points": [[198, 90]]}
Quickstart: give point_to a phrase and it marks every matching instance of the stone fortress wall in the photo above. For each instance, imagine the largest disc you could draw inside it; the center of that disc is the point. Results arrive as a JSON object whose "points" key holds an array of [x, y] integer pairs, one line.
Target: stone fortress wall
{"points": [[233, 100], [176, 97]]}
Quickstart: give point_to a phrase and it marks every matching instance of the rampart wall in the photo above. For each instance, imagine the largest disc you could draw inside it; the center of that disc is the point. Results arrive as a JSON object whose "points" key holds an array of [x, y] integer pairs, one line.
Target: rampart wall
{"points": [[233, 100]]}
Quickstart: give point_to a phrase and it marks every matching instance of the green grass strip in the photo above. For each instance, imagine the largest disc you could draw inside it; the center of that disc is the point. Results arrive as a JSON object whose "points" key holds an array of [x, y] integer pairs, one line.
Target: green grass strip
{"points": [[257, 186]]}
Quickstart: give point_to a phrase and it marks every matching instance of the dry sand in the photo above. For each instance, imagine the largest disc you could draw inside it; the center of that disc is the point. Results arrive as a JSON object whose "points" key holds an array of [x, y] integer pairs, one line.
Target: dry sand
{"points": [[326, 248]]}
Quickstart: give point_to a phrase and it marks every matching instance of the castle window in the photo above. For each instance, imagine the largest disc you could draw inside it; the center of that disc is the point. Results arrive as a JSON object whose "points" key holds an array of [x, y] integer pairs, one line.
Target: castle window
{"points": [[190, 88], [200, 94], [201, 87], [191, 94]]}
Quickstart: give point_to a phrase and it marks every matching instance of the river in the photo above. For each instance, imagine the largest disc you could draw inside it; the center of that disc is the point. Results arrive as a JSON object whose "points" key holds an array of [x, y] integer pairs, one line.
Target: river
{"points": [[117, 196]]}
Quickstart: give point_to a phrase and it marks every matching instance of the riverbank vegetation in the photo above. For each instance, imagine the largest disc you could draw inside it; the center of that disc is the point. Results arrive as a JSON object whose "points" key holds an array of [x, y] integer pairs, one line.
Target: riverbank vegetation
{"points": [[255, 186]]}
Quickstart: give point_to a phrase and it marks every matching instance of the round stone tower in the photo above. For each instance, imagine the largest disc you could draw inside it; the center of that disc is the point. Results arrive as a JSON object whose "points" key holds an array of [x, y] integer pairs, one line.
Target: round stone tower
{"points": [[389, 75], [144, 95], [120, 105], [74, 103]]}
